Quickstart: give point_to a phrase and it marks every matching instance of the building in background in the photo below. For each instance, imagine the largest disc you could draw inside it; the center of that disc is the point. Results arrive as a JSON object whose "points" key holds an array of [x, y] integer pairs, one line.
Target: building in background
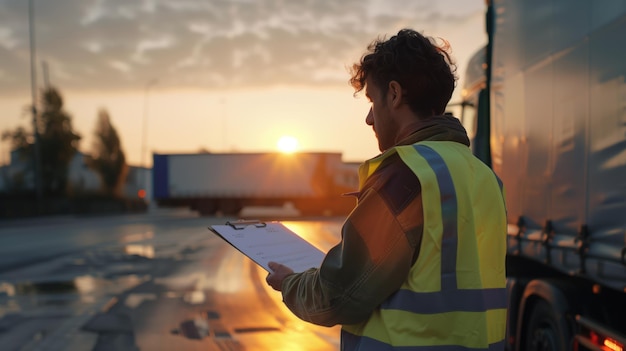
{"points": [[17, 176]]}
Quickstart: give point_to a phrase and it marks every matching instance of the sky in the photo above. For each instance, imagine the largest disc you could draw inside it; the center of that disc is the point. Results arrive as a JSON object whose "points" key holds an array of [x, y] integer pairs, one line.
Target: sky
{"points": [[214, 75]]}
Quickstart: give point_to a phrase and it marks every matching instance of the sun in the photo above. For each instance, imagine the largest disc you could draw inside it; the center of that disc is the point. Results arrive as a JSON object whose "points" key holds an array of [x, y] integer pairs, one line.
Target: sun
{"points": [[287, 144]]}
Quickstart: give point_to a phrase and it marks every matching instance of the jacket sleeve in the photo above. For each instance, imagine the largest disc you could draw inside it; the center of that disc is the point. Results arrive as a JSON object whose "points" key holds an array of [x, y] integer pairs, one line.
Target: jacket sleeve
{"points": [[380, 241]]}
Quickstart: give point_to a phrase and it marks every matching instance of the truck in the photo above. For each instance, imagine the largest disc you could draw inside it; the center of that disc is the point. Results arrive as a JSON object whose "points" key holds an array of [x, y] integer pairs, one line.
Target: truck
{"points": [[544, 104], [314, 183]]}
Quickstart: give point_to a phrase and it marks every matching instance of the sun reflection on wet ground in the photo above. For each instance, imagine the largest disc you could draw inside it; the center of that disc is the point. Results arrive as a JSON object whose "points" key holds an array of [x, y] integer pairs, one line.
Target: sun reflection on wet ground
{"points": [[323, 234], [134, 237], [146, 251]]}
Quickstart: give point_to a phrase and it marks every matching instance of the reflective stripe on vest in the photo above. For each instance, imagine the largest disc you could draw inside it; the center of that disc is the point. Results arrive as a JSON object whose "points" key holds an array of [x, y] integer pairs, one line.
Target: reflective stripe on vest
{"points": [[363, 343], [454, 297]]}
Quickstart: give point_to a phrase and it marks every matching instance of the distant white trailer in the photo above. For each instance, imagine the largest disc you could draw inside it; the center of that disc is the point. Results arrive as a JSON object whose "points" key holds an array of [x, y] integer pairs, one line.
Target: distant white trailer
{"points": [[227, 182]]}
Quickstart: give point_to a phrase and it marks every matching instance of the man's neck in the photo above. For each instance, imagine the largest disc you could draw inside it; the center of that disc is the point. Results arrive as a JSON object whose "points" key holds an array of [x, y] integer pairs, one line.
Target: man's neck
{"points": [[414, 126]]}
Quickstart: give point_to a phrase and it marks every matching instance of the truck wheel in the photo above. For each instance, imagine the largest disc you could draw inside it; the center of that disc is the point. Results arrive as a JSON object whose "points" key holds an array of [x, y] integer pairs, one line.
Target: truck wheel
{"points": [[230, 207], [207, 208], [545, 330]]}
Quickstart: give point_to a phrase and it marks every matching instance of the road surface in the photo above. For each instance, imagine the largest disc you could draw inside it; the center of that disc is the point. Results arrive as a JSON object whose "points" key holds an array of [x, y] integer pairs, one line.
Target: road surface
{"points": [[155, 281]]}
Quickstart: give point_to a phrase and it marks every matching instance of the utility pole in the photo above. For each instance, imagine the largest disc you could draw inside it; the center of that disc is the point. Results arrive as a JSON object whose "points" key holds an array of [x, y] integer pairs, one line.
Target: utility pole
{"points": [[46, 75], [33, 87], [144, 139], [144, 129]]}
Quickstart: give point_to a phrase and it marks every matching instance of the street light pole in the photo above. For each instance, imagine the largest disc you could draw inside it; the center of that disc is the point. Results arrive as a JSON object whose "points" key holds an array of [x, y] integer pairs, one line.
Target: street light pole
{"points": [[33, 87], [144, 139], [144, 132]]}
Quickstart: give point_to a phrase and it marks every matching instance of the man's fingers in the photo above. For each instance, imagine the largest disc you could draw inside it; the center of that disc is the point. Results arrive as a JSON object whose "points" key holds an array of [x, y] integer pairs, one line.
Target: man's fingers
{"points": [[273, 281], [277, 274]]}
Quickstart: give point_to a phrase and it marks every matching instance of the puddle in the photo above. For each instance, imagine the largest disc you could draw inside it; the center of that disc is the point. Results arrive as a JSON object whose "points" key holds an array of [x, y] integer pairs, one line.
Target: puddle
{"points": [[256, 330], [197, 328], [7, 289], [205, 325], [45, 288], [131, 238], [134, 300], [82, 287], [212, 315], [146, 251], [195, 297], [65, 299], [47, 297]]}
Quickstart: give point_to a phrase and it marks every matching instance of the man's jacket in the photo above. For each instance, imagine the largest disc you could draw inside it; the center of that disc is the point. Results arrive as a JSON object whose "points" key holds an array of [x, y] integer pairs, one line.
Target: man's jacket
{"points": [[421, 262]]}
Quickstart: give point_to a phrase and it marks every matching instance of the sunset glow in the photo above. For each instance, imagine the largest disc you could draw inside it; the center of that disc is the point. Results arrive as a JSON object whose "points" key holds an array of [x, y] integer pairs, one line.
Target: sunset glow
{"points": [[225, 81], [287, 144]]}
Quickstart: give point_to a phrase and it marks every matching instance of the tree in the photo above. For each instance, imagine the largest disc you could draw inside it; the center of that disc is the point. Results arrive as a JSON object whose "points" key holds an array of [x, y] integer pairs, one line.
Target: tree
{"points": [[108, 157], [59, 143], [18, 138]]}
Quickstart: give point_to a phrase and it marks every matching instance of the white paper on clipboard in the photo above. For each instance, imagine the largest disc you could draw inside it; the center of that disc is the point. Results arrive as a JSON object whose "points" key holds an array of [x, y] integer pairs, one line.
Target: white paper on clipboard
{"points": [[270, 241]]}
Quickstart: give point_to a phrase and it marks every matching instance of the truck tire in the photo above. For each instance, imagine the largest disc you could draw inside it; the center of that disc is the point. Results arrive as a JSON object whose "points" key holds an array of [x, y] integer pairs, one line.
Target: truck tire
{"points": [[206, 208], [545, 330], [230, 207]]}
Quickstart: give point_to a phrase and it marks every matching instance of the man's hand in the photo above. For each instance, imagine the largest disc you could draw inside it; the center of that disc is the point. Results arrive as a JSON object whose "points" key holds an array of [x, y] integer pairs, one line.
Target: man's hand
{"points": [[278, 274]]}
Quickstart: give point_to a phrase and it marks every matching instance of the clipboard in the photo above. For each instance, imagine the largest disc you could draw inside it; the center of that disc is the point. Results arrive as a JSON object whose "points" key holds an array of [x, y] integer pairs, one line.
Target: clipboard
{"points": [[263, 242]]}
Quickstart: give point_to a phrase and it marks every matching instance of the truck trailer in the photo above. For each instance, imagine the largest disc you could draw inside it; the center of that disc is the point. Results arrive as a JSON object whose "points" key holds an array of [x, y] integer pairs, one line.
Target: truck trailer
{"points": [[315, 183], [545, 106]]}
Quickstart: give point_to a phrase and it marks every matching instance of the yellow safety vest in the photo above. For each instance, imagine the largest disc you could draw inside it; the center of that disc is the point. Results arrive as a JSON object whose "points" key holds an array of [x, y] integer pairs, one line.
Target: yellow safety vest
{"points": [[455, 295]]}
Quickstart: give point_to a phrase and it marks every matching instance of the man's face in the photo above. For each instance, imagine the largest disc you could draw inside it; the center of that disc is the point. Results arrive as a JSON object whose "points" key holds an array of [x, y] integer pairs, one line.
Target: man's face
{"points": [[379, 116]]}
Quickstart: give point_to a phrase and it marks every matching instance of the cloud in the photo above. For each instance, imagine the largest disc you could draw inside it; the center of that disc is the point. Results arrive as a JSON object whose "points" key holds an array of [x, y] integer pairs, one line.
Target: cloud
{"points": [[117, 44]]}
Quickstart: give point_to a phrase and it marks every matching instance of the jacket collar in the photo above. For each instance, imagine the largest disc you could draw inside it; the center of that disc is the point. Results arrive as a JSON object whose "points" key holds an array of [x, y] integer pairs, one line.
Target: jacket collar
{"points": [[436, 128]]}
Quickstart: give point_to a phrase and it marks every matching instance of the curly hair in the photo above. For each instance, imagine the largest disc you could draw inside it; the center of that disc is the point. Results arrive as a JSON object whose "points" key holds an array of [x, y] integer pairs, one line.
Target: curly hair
{"points": [[424, 69]]}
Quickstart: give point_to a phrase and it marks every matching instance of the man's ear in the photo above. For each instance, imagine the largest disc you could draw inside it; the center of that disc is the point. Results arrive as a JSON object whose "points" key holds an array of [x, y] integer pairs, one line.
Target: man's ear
{"points": [[394, 94]]}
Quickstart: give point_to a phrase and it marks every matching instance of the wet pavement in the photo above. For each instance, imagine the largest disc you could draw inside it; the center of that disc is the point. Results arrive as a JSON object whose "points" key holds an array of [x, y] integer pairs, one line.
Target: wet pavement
{"points": [[157, 281]]}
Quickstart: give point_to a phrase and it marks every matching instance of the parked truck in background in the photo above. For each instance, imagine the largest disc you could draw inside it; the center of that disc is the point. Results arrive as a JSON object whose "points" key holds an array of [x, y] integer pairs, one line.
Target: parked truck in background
{"points": [[312, 182], [545, 106]]}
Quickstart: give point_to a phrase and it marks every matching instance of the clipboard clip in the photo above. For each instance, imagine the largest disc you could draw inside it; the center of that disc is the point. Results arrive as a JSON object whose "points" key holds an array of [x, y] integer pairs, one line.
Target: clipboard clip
{"points": [[242, 224]]}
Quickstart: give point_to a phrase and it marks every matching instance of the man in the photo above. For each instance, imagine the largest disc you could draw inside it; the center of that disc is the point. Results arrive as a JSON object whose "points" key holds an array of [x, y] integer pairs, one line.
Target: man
{"points": [[421, 262]]}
